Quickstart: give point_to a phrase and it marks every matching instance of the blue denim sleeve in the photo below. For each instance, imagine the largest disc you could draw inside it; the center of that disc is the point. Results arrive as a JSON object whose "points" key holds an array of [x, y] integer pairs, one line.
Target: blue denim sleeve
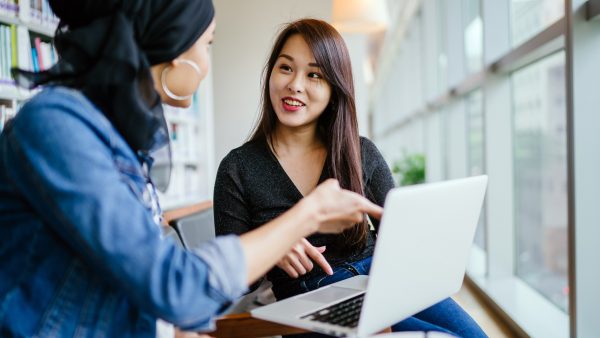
{"points": [[228, 278], [62, 163]]}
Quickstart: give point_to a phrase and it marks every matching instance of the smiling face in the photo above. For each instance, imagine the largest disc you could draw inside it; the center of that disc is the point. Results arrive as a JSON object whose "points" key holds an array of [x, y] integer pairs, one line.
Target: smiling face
{"points": [[297, 89]]}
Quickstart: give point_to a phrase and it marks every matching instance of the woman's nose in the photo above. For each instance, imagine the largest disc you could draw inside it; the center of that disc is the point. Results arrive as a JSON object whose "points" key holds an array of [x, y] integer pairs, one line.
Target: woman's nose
{"points": [[296, 85]]}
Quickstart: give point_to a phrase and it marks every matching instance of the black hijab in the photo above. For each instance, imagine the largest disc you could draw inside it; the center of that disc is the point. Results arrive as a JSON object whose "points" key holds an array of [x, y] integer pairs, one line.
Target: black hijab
{"points": [[106, 49]]}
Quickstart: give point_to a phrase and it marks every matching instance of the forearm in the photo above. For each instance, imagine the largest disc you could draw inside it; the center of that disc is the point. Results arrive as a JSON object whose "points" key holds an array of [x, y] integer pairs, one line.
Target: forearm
{"points": [[328, 209], [265, 246]]}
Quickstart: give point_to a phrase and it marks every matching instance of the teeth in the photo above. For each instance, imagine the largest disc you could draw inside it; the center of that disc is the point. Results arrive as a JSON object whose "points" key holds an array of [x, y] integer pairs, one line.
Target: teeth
{"points": [[293, 103]]}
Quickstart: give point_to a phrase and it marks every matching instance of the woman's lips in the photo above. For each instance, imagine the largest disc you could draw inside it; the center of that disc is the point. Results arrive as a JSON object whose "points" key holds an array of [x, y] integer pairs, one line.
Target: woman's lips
{"points": [[292, 104]]}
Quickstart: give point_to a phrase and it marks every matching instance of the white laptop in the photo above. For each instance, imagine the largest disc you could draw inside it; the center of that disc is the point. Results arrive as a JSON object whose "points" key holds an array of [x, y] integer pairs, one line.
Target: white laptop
{"points": [[420, 258]]}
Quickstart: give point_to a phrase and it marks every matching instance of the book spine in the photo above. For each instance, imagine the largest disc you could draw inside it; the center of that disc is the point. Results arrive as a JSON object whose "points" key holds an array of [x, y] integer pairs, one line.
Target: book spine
{"points": [[8, 53], [13, 8], [4, 55], [34, 59], [13, 46], [24, 49], [46, 49], [38, 49], [2, 52], [24, 10]]}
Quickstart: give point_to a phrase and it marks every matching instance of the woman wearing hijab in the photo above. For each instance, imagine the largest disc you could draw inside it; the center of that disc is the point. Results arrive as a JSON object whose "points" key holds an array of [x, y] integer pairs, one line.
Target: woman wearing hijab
{"points": [[80, 253]]}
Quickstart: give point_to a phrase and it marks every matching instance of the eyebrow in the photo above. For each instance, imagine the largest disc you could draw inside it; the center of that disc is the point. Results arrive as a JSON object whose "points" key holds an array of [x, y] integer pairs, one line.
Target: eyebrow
{"points": [[285, 56]]}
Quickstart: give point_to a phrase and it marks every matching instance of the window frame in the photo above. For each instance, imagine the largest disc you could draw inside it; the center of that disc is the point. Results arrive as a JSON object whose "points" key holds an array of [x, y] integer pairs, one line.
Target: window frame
{"points": [[577, 33]]}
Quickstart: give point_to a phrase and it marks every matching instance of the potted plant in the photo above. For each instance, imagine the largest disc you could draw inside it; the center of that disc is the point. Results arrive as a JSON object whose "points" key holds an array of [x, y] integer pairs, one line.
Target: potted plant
{"points": [[410, 170]]}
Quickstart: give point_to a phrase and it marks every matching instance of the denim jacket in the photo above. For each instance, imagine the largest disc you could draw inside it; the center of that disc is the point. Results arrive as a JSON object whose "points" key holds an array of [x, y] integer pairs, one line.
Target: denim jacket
{"points": [[80, 253]]}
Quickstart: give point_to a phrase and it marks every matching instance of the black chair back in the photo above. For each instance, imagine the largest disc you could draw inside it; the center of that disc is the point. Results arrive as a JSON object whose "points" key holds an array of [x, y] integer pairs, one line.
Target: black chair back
{"points": [[196, 228]]}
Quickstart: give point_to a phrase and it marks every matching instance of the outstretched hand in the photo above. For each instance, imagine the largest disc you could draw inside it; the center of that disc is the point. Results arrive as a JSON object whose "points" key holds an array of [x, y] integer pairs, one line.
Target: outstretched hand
{"points": [[339, 209]]}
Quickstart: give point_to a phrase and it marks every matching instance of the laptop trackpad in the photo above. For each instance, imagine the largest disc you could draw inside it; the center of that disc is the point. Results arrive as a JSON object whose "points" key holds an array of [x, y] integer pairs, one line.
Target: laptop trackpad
{"points": [[329, 294]]}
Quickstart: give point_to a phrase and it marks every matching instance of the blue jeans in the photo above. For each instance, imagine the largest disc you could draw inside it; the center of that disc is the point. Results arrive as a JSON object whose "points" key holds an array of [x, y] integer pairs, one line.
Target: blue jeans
{"points": [[445, 316]]}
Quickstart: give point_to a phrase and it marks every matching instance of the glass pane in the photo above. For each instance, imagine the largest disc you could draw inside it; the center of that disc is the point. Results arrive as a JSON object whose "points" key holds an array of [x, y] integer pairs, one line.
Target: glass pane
{"points": [[475, 153], [442, 49], [473, 34], [540, 174], [529, 17]]}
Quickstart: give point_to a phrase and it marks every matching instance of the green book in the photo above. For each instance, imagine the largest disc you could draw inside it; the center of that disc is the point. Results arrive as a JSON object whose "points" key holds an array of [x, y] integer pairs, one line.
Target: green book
{"points": [[13, 42]]}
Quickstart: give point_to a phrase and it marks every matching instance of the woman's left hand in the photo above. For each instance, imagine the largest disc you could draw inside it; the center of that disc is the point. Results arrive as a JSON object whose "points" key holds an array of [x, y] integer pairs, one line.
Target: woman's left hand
{"points": [[300, 259]]}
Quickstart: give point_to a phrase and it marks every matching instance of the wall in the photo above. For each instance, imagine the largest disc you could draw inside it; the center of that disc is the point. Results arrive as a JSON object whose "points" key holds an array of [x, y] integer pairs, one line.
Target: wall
{"points": [[358, 47]]}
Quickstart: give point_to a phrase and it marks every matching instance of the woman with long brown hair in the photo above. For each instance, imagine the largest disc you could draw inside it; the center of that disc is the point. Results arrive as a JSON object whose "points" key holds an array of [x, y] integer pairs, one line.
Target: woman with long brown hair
{"points": [[307, 133]]}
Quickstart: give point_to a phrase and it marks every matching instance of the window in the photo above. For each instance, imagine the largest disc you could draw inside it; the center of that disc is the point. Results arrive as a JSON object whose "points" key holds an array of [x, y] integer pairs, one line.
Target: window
{"points": [[529, 17], [473, 35], [475, 151], [442, 47], [540, 177]]}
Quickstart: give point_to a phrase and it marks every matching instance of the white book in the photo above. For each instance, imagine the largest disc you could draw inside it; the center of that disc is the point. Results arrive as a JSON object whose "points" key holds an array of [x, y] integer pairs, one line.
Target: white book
{"points": [[4, 56], [25, 10], [46, 54], [8, 51], [24, 48], [3, 49]]}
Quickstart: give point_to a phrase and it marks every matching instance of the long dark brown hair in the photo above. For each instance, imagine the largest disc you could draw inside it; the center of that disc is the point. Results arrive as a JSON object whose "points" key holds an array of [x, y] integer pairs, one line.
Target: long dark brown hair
{"points": [[337, 126]]}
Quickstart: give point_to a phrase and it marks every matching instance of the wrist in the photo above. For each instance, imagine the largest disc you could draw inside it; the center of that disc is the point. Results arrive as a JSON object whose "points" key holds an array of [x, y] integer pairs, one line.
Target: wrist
{"points": [[309, 214]]}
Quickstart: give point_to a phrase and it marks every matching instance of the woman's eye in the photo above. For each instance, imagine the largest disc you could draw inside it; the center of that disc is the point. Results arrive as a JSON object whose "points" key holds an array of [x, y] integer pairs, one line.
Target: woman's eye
{"points": [[285, 68], [315, 76]]}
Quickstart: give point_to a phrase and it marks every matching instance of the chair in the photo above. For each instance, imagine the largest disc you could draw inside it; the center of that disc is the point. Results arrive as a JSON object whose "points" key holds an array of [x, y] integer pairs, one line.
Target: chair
{"points": [[193, 225], [195, 229]]}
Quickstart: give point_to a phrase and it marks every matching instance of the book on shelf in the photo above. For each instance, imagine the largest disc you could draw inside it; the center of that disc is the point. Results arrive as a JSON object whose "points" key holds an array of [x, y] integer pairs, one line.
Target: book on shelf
{"points": [[9, 8], [18, 49], [24, 55], [183, 132], [6, 54], [30, 11], [37, 11]]}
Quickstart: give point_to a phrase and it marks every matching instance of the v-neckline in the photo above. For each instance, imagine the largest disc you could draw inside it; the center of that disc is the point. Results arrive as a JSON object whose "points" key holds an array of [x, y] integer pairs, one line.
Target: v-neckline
{"points": [[285, 174]]}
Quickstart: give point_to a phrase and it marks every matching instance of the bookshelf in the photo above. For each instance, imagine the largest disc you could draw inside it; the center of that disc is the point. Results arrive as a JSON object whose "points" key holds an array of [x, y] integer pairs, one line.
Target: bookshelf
{"points": [[192, 137], [26, 32]]}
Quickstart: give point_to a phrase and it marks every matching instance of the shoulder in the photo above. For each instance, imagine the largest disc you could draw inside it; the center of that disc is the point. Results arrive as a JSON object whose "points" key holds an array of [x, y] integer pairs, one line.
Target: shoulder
{"points": [[248, 154], [367, 145], [58, 106], [371, 157], [369, 151], [58, 98]]}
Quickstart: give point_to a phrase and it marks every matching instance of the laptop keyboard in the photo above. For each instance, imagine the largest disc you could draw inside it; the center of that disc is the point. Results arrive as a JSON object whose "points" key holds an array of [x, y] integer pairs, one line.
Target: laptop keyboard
{"points": [[344, 314]]}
